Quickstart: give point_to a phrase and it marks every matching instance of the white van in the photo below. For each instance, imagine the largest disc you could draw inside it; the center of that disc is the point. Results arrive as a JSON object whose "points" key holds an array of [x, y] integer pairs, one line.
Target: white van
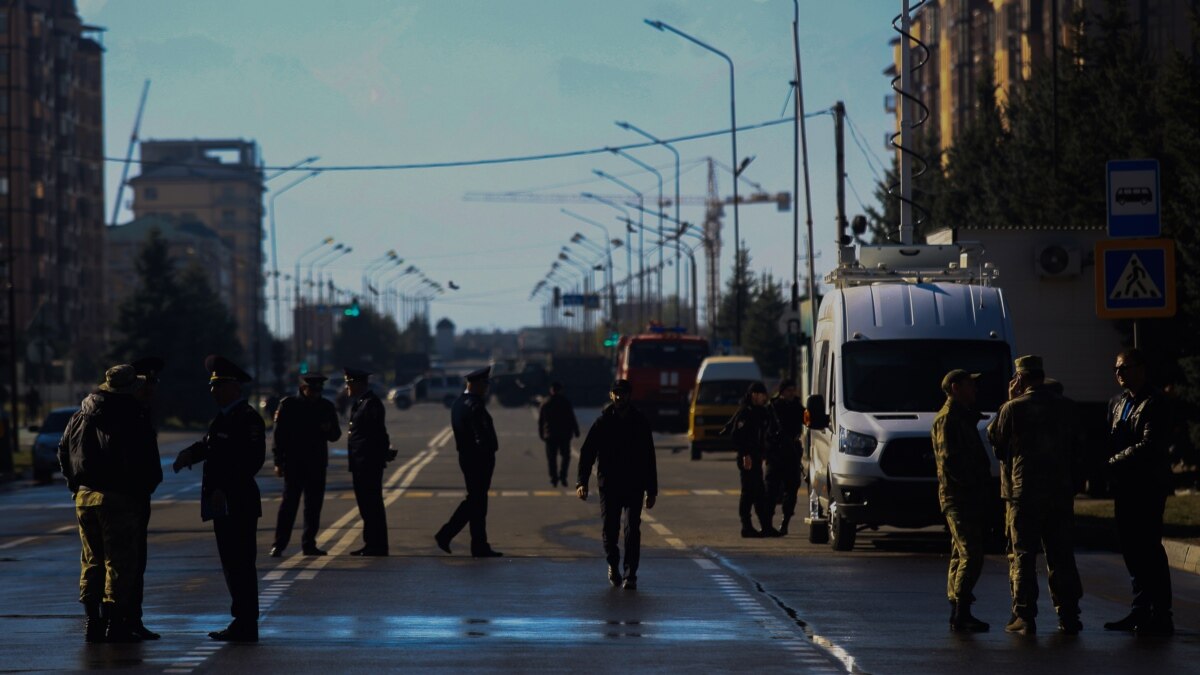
{"points": [[882, 348], [720, 386]]}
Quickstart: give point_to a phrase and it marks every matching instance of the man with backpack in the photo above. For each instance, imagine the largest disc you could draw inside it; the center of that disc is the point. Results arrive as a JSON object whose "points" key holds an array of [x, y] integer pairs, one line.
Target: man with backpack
{"points": [[108, 456]]}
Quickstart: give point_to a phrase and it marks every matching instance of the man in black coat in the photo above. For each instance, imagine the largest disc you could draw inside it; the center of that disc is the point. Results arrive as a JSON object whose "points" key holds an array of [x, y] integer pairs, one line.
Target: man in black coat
{"points": [[148, 369], [475, 439], [1141, 470], [305, 425], [784, 470], [233, 451], [369, 448], [622, 443], [556, 426]]}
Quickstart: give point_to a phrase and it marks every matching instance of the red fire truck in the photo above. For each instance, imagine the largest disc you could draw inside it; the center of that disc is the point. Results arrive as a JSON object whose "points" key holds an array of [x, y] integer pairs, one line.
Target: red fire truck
{"points": [[661, 365]]}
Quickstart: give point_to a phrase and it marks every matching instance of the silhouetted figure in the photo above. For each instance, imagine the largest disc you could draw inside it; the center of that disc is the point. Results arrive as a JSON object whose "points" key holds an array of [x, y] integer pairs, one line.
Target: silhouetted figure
{"points": [[33, 406], [148, 369], [305, 424], [784, 468], [475, 439], [754, 430], [233, 451], [621, 443], [106, 454], [556, 427], [369, 448]]}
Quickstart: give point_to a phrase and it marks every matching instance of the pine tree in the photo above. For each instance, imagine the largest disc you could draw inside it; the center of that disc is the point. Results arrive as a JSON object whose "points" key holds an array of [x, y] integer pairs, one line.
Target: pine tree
{"points": [[749, 288], [368, 340], [764, 341]]}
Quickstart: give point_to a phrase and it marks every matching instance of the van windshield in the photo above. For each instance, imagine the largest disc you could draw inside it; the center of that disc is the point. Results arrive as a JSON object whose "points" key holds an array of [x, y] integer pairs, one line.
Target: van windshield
{"points": [[722, 392], [906, 375], [683, 355]]}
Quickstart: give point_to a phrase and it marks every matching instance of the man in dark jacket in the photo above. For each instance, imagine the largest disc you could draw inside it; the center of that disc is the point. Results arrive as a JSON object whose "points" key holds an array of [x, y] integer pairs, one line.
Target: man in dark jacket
{"points": [[754, 430], [305, 425], [107, 456], [556, 427], [233, 451], [369, 448], [1141, 469], [148, 369], [784, 470], [964, 490], [621, 443], [475, 439], [1037, 437]]}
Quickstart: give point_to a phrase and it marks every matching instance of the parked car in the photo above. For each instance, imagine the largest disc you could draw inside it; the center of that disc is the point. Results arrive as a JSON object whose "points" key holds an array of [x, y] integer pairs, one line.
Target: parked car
{"points": [[45, 444], [440, 387]]}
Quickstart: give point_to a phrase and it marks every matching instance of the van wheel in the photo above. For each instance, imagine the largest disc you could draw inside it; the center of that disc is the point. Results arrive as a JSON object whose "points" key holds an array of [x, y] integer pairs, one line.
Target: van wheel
{"points": [[697, 453], [818, 532], [841, 532], [403, 402]]}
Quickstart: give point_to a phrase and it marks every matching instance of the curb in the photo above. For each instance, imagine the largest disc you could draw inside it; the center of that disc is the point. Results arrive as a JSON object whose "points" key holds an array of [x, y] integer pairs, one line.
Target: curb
{"points": [[1183, 556]]}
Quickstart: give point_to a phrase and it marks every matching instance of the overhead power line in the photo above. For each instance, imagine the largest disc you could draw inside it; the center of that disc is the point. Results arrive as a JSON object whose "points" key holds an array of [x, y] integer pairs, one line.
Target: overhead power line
{"points": [[495, 160]]}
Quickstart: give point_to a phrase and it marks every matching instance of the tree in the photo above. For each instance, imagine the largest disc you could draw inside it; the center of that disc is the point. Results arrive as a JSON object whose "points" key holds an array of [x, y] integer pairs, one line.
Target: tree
{"points": [[416, 336], [368, 340], [178, 317], [764, 341], [749, 287]]}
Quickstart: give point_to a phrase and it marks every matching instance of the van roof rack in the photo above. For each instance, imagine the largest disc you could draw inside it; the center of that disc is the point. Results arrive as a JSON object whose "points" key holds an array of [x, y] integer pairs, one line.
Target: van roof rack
{"points": [[912, 264]]}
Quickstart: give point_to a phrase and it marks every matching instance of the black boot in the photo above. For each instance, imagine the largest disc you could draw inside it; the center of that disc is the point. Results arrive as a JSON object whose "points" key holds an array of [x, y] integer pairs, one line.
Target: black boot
{"points": [[1159, 624], [96, 625], [1131, 622], [963, 622], [953, 614], [120, 628], [783, 527]]}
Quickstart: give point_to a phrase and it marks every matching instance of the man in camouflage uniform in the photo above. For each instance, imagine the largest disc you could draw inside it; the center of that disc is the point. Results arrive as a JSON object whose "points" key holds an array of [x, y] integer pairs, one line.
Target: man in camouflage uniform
{"points": [[1037, 438], [964, 483]]}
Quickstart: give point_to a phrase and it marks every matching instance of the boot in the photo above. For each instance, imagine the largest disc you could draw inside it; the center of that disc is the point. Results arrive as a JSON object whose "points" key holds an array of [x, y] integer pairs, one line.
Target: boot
{"points": [[769, 531], [241, 630], [748, 532], [120, 628], [783, 527], [963, 622], [1021, 626], [96, 625], [1160, 624], [1069, 624], [1130, 623], [614, 576], [953, 615]]}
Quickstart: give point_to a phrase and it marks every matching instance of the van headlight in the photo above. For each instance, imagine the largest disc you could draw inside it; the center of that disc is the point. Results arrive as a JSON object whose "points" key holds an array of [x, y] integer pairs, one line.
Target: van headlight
{"points": [[856, 444]]}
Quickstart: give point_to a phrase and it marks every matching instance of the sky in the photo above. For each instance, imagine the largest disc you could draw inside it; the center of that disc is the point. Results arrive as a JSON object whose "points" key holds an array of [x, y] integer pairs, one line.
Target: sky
{"points": [[398, 82]]}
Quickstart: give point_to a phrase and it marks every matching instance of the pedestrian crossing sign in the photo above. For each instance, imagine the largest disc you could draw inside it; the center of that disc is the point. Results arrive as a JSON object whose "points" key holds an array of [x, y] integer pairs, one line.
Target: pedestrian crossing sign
{"points": [[1135, 278]]}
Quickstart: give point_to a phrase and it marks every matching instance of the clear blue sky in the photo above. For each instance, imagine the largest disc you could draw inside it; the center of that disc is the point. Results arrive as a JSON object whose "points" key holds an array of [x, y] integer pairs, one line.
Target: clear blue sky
{"points": [[389, 81]]}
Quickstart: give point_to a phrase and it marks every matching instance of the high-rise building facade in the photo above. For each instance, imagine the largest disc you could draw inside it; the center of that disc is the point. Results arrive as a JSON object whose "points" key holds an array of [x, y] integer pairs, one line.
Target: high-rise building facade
{"points": [[218, 183], [52, 181]]}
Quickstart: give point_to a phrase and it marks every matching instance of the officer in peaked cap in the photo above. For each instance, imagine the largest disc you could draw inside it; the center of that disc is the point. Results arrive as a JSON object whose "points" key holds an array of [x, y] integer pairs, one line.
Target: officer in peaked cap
{"points": [[233, 451], [147, 369], [1037, 437], [369, 449], [305, 424], [475, 439]]}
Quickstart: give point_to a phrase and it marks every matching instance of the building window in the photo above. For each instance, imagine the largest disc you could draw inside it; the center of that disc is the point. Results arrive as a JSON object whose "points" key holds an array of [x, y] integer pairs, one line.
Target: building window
{"points": [[150, 193]]}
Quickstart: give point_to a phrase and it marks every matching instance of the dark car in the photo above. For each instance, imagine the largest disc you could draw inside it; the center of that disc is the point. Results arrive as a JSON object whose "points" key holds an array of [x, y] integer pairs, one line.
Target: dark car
{"points": [[45, 445]]}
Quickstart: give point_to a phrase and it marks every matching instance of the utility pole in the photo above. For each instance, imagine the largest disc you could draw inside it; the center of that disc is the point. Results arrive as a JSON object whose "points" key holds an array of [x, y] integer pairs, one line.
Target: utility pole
{"points": [[839, 131], [906, 124]]}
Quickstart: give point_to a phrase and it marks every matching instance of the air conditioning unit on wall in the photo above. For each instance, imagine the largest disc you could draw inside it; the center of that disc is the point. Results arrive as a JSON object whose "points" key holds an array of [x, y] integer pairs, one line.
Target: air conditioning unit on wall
{"points": [[1057, 262]]}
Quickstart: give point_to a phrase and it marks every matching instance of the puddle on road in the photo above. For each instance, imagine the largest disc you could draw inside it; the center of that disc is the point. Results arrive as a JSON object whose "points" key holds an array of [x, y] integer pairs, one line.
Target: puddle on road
{"points": [[539, 629]]}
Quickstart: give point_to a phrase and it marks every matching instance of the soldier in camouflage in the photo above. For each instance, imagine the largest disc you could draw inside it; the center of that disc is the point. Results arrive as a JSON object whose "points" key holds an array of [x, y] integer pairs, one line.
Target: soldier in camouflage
{"points": [[964, 482], [1038, 440]]}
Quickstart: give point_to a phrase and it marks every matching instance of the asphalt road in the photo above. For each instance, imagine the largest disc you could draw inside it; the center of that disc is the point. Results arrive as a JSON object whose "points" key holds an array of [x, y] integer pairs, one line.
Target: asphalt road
{"points": [[708, 601]]}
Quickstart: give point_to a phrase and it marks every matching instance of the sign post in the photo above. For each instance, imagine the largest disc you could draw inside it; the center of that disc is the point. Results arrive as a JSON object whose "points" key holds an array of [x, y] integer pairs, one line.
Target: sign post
{"points": [[1134, 201], [1135, 278]]}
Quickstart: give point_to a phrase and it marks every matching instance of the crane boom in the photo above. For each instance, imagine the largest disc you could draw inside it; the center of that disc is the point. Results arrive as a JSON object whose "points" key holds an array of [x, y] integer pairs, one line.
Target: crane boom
{"points": [[133, 138]]}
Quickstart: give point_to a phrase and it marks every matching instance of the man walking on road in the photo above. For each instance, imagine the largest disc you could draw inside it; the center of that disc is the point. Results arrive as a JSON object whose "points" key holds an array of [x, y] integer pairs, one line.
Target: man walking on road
{"points": [[964, 492], [621, 443], [557, 426], [1037, 437], [369, 448], [305, 425], [475, 439], [784, 470], [106, 454], [1141, 469], [233, 451]]}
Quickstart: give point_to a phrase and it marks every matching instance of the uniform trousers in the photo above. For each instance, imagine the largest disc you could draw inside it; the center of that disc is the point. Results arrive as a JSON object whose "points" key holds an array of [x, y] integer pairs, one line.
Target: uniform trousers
{"points": [[477, 474], [783, 483], [108, 534], [968, 535], [368, 492], [1043, 525], [236, 546], [297, 480], [614, 504], [558, 458], [754, 496], [1139, 516]]}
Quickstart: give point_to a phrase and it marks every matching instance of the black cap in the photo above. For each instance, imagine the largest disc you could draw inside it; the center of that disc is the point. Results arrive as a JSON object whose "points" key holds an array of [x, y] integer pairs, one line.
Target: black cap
{"points": [[221, 369], [314, 380], [957, 375], [757, 388], [621, 387], [479, 375], [149, 367], [356, 374]]}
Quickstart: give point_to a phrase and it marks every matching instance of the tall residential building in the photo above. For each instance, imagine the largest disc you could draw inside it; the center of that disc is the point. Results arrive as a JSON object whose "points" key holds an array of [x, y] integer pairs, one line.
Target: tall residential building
{"points": [[52, 181], [1012, 37], [218, 183]]}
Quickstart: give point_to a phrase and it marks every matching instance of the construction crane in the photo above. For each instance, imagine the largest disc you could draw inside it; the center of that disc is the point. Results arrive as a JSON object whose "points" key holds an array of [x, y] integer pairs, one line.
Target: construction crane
{"points": [[133, 139], [714, 208]]}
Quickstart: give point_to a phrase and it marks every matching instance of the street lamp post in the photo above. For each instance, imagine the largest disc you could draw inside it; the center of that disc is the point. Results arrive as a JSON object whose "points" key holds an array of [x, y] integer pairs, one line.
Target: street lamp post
{"points": [[737, 248], [612, 291], [628, 249], [641, 243], [274, 242], [657, 174]]}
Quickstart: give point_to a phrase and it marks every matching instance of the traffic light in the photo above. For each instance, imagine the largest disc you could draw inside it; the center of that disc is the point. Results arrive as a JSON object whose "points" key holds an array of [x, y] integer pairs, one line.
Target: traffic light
{"points": [[612, 340], [304, 367], [557, 296], [352, 310]]}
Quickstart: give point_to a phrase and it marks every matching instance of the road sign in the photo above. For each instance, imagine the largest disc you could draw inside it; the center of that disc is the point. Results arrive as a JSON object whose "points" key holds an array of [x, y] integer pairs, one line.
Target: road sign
{"points": [[1135, 278], [589, 301], [1133, 198]]}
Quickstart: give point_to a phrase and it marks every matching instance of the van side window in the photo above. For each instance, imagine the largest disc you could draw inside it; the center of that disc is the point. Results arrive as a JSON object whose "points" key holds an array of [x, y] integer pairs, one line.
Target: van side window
{"points": [[831, 394], [819, 386]]}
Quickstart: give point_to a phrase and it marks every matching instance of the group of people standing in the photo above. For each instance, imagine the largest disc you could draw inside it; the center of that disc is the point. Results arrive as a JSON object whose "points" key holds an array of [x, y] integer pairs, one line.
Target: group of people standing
{"points": [[1039, 442]]}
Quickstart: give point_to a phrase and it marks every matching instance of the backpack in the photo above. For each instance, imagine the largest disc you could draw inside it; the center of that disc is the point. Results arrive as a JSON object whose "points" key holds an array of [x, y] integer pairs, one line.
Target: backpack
{"points": [[81, 448]]}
